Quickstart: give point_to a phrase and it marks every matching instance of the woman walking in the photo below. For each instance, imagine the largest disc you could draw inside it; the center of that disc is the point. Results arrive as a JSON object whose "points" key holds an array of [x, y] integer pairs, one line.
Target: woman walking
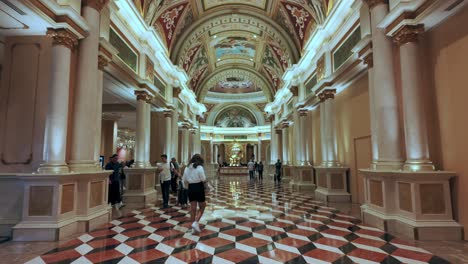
{"points": [[194, 177]]}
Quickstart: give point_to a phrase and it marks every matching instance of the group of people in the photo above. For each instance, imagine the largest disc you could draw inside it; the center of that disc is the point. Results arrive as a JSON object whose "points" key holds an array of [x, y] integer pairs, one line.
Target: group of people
{"points": [[190, 187], [254, 169]]}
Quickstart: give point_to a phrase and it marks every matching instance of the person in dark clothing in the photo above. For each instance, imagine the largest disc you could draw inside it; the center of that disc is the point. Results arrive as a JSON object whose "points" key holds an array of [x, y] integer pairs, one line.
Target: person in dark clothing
{"points": [[260, 170], [174, 175], [115, 195], [278, 167]]}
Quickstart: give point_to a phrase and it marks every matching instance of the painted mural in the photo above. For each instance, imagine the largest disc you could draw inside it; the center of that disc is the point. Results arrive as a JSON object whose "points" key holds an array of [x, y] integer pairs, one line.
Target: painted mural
{"points": [[207, 4], [234, 85], [235, 117], [234, 46]]}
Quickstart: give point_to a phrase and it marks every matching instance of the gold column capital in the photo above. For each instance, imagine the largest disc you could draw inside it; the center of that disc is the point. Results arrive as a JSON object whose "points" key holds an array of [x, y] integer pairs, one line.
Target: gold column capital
{"points": [[169, 114], [303, 112], [369, 60], [62, 37], [142, 95], [278, 131], [374, 3], [407, 34], [98, 5], [327, 94], [102, 62]]}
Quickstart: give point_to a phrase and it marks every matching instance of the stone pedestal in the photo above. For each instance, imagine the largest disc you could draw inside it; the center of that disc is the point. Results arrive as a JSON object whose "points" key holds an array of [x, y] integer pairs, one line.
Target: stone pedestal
{"points": [[302, 178], [332, 184], [416, 205], [55, 207], [140, 186]]}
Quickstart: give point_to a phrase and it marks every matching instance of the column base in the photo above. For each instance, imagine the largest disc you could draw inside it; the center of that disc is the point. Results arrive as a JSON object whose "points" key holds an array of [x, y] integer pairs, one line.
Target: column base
{"points": [[140, 185], [415, 205], [332, 184], [48, 168], [387, 165], [418, 165], [83, 166]]}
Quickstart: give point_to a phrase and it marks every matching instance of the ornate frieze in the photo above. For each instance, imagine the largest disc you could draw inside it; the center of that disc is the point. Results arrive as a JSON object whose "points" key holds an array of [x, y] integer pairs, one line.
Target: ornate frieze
{"points": [[62, 37], [408, 33]]}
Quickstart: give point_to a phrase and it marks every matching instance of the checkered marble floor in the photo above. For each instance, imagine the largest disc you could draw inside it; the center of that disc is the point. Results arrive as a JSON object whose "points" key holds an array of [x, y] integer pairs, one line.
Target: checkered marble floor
{"points": [[245, 222]]}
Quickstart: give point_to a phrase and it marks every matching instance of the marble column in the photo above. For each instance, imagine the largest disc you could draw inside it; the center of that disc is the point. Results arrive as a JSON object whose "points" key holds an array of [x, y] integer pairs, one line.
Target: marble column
{"points": [[102, 63], [216, 153], [369, 61], [168, 142], [175, 134], [385, 100], [301, 136], [55, 138], [255, 149], [285, 141], [417, 143], [142, 143], [85, 106], [212, 151], [327, 128], [259, 147], [185, 146], [279, 145], [273, 142]]}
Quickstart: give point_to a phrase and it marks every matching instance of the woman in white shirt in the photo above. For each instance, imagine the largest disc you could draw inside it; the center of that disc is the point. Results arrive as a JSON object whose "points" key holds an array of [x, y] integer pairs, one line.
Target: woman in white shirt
{"points": [[194, 177]]}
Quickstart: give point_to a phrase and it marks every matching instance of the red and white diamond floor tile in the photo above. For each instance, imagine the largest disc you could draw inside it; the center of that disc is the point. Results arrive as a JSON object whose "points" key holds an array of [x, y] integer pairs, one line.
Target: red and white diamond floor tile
{"points": [[244, 222]]}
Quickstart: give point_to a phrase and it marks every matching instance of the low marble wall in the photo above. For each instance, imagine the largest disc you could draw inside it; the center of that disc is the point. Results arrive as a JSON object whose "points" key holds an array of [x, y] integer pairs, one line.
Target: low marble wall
{"points": [[52, 207]]}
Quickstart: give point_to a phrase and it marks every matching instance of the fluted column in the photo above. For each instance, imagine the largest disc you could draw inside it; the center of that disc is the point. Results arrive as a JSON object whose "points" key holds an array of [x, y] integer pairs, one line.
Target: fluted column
{"points": [[385, 101], [327, 128], [143, 134], [285, 141], [175, 134], [86, 92], [216, 151], [55, 138], [417, 143], [168, 142]]}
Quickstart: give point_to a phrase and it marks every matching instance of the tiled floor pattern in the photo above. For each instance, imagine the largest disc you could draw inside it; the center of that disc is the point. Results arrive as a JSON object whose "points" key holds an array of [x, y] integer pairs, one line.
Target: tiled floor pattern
{"points": [[245, 223]]}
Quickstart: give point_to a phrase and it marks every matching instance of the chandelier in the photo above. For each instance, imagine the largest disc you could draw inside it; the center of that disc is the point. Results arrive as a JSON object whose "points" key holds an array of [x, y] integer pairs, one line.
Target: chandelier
{"points": [[126, 139]]}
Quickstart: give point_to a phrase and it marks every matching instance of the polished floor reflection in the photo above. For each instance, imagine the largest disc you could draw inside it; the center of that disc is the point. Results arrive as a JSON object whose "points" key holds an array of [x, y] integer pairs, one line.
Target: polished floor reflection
{"points": [[245, 222]]}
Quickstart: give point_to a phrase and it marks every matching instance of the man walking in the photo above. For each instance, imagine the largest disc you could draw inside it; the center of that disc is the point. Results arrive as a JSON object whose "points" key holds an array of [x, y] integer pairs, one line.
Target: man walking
{"points": [[251, 167], [164, 170], [115, 195], [278, 167], [260, 171]]}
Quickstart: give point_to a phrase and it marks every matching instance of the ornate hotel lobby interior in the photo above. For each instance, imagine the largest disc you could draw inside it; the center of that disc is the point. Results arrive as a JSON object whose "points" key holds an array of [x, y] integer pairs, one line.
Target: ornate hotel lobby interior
{"points": [[355, 108]]}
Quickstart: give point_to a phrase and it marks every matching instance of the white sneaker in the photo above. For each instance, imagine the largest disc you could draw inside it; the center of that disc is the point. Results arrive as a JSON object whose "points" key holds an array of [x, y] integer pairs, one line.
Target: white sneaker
{"points": [[196, 227]]}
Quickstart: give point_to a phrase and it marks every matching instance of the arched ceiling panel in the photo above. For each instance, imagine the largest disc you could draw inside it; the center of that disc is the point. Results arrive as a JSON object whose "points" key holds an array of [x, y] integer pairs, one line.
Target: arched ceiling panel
{"points": [[207, 36]]}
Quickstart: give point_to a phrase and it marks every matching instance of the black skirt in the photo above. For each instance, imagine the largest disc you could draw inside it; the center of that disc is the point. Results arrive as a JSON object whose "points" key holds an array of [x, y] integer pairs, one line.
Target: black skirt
{"points": [[196, 192]]}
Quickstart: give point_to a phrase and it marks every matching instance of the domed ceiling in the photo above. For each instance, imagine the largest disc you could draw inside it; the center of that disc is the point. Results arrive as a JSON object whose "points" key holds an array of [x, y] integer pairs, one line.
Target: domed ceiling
{"points": [[232, 47]]}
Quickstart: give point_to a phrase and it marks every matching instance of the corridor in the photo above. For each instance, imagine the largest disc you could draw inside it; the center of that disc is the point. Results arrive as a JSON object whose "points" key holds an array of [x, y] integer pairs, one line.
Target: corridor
{"points": [[245, 222]]}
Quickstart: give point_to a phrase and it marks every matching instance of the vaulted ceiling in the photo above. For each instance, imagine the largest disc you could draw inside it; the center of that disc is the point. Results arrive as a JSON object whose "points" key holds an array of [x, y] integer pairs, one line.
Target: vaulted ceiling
{"points": [[234, 46]]}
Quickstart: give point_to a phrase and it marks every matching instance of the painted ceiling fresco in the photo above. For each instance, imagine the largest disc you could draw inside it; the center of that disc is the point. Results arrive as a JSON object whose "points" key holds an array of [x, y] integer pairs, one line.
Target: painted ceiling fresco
{"points": [[261, 37], [235, 117]]}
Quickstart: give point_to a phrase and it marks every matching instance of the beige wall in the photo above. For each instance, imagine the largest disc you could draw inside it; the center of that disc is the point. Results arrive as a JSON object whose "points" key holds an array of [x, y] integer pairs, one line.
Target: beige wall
{"points": [[353, 132], [445, 56]]}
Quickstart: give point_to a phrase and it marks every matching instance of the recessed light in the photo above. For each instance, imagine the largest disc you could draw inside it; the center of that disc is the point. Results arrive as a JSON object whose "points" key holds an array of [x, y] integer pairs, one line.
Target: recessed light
{"points": [[215, 36], [255, 36]]}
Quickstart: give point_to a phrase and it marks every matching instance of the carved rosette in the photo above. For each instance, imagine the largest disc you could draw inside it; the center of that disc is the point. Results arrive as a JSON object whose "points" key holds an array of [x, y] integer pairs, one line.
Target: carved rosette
{"points": [[369, 60], [62, 37], [143, 95], [407, 34], [374, 3], [327, 94], [98, 5], [102, 62]]}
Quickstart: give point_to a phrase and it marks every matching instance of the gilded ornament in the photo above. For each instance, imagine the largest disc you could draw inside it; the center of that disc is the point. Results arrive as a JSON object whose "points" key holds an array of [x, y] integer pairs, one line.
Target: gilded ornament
{"points": [[142, 95], [407, 34], [62, 37], [327, 94]]}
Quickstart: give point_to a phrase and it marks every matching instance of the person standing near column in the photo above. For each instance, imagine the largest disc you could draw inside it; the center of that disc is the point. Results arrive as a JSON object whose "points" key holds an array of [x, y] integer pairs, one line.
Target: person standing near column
{"points": [[260, 171], [115, 197], [251, 167], [164, 170], [278, 167]]}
